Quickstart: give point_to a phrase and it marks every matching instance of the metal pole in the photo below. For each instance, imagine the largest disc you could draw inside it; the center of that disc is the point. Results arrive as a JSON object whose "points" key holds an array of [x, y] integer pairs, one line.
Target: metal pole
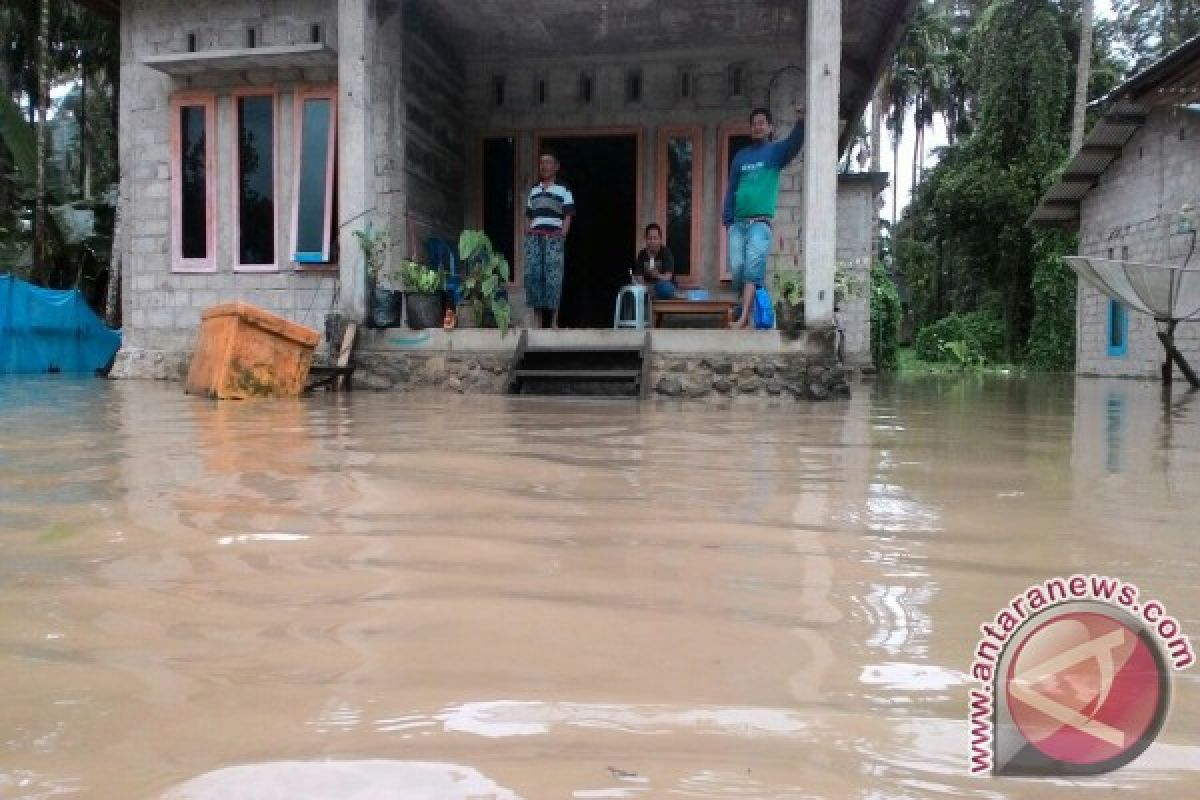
{"points": [[1173, 355]]}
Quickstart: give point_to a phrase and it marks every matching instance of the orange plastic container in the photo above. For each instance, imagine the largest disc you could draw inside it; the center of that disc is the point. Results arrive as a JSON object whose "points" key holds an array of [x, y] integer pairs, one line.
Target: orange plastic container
{"points": [[244, 351]]}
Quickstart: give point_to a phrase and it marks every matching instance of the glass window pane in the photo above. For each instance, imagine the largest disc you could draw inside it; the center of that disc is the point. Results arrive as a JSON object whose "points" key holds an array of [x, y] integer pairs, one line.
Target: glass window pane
{"points": [[256, 180], [193, 200], [314, 162], [680, 155]]}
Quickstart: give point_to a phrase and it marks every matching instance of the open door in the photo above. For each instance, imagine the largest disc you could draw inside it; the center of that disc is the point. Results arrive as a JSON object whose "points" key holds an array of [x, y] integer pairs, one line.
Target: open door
{"points": [[601, 171]]}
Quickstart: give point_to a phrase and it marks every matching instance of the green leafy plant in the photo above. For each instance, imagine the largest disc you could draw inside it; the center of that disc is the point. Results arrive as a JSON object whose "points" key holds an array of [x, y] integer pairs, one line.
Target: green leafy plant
{"points": [[885, 318], [981, 333], [487, 272], [421, 279], [789, 285], [375, 244], [964, 354]]}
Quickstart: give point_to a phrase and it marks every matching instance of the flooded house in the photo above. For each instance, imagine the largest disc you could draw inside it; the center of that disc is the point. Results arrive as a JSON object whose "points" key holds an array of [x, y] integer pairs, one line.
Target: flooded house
{"points": [[1131, 193], [259, 137]]}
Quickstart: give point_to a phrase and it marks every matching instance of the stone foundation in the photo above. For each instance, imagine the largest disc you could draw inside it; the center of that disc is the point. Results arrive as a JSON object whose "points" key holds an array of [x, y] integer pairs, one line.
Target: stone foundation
{"points": [[479, 373], [138, 363], [754, 376], [683, 364]]}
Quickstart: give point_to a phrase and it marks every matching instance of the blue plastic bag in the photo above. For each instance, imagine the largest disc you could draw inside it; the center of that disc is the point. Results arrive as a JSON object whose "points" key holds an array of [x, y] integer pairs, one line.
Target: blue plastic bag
{"points": [[764, 310]]}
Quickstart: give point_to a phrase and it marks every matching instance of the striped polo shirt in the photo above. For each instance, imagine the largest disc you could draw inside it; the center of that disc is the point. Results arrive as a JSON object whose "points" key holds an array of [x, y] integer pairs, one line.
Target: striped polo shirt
{"points": [[548, 206]]}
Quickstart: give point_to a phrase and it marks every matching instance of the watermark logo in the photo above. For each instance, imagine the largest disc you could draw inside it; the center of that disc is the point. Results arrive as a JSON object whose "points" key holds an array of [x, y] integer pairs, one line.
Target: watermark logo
{"points": [[1074, 679]]}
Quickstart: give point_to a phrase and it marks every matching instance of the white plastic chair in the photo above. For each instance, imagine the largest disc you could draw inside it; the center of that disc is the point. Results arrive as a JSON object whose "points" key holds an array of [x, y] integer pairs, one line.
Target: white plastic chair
{"points": [[633, 307]]}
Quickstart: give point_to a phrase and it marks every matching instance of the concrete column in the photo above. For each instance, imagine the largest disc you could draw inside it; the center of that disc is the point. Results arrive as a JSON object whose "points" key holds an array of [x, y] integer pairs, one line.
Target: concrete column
{"points": [[355, 148], [822, 74]]}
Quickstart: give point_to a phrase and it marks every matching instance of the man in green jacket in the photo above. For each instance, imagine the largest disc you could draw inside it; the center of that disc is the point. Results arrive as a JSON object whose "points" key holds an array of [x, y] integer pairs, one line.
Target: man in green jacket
{"points": [[750, 204]]}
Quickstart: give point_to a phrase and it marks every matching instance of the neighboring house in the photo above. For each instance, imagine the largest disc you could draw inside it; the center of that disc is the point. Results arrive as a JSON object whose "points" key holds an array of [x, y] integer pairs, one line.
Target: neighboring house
{"points": [[1128, 192], [257, 137]]}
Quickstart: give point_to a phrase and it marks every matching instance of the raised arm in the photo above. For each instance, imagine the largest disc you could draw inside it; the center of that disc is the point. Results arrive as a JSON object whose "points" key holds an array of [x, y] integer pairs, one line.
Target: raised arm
{"points": [[783, 151]]}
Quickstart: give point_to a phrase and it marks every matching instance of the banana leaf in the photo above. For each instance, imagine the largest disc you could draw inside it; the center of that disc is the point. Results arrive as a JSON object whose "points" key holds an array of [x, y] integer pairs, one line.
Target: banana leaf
{"points": [[17, 136]]}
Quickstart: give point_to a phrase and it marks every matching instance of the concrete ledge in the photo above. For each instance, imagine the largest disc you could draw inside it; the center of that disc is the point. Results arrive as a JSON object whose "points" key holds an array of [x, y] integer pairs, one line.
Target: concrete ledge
{"points": [[691, 364], [275, 57], [815, 344]]}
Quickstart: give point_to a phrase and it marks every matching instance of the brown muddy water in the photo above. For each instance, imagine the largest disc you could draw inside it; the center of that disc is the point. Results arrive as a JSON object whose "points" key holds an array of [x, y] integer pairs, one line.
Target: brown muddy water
{"points": [[377, 596]]}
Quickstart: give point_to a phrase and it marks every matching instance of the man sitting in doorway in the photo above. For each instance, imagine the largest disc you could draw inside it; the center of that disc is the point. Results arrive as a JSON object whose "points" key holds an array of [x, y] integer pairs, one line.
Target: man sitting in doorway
{"points": [[655, 264], [750, 204]]}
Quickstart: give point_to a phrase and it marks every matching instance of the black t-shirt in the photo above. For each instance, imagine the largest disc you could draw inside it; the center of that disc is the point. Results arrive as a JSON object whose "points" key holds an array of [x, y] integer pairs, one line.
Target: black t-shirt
{"points": [[663, 262]]}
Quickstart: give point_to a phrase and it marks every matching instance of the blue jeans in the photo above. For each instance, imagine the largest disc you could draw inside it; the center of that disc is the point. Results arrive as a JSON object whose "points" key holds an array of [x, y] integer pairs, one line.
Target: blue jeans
{"points": [[749, 244], [664, 290]]}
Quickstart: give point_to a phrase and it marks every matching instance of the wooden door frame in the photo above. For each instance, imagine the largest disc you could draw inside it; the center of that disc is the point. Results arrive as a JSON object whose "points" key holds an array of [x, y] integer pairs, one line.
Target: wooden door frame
{"points": [[696, 134], [727, 130], [638, 133]]}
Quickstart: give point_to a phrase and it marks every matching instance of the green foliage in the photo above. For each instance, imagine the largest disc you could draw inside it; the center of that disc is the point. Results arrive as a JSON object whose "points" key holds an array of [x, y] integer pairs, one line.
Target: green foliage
{"points": [[18, 138], [375, 243], [421, 279], [885, 318], [487, 274], [788, 284], [1147, 30], [972, 339], [964, 354], [1051, 344], [963, 244]]}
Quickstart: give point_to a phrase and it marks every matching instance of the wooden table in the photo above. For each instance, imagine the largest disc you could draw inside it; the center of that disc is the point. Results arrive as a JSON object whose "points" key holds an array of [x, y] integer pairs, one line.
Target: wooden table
{"points": [[662, 308]]}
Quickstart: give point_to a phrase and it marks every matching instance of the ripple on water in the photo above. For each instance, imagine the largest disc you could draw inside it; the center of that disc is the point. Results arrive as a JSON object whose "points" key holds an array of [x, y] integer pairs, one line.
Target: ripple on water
{"points": [[516, 596]]}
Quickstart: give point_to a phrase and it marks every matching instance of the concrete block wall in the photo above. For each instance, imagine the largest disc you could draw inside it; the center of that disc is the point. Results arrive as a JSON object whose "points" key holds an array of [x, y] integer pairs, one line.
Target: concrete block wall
{"points": [[710, 106], [434, 161], [162, 308], [1129, 213], [856, 230]]}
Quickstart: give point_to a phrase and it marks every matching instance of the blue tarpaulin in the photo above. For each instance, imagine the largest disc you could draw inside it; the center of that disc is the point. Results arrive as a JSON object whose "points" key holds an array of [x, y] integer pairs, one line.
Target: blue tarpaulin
{"points": [[50, 330]]}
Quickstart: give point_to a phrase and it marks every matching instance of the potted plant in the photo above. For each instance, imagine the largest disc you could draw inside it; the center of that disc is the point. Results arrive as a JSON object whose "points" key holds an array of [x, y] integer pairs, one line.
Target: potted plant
{"points": [[423, 294], [385, 298], [788, 285], [846, 286], [483, 289], [789, 288]]}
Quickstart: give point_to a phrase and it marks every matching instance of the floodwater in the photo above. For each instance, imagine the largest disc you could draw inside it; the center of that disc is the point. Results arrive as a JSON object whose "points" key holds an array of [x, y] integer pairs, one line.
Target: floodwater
{"points": [[376, 596]]}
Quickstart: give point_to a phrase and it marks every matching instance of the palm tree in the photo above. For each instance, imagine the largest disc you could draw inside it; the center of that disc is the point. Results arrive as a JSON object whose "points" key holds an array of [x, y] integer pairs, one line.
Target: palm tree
{"points": [[918, 80], [41, 270], [877, 101], [899, 93], [1082, 75]]}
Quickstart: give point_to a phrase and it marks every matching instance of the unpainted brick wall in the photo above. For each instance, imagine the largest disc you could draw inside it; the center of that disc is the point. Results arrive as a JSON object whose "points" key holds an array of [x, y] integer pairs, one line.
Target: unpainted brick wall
{"points": [[1130, 215]]}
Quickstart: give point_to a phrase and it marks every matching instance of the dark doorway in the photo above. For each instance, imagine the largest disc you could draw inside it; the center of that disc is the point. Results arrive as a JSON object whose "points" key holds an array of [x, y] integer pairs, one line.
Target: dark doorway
{"points": [[499, 180], [601, 172]]}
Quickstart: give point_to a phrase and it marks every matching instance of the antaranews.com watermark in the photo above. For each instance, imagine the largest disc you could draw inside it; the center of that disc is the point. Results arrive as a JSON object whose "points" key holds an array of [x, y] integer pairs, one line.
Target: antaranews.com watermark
{"points": [[1074, 678]]}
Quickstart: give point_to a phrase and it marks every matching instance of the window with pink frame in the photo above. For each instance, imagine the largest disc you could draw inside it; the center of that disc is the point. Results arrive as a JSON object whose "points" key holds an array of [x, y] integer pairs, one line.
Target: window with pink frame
{"points": [[314, 196], [254, 190], [193, 182]]}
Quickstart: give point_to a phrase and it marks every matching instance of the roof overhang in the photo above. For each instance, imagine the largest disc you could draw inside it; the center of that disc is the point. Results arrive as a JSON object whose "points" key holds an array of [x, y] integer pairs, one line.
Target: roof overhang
{"points": [[1174, 80], [871, 32], [283, 56], [566, 29], [1059, 206]]}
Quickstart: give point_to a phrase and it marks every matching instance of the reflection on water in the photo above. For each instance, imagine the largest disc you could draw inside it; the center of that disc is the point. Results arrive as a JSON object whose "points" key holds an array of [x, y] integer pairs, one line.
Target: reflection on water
{"points": [[409, 597]]}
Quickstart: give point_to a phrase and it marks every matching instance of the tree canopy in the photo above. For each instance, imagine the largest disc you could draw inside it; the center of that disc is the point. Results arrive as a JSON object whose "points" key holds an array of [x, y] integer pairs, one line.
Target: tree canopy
{"points": [[962, 247]]}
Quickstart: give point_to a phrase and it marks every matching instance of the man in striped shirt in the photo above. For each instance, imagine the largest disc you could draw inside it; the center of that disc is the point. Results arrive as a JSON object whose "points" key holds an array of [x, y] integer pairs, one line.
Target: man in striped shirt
{"points": [[549, 209]]}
